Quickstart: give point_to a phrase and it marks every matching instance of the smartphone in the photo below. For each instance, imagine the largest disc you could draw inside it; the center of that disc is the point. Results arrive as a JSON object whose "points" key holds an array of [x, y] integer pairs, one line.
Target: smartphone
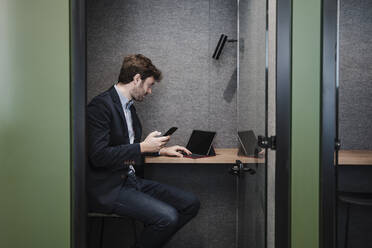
{"points": [[170, 131]]}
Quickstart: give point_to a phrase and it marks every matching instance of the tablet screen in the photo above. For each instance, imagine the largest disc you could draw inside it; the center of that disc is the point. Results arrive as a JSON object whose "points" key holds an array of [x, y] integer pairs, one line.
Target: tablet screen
{"points": [[200, 142]]}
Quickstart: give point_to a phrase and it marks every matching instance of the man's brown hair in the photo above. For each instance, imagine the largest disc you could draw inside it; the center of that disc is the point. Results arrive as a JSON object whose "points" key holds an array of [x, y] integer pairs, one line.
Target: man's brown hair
{"points": [[137, 63]]}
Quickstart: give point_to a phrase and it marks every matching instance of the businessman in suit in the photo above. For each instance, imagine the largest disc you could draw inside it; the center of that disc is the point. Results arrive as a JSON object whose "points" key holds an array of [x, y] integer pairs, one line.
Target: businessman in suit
{"points": [[116, 153]]}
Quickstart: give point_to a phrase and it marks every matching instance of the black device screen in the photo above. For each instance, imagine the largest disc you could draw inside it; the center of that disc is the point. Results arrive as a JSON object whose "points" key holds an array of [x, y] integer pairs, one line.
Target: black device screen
{"points": [[200, 142], [170, 131]]}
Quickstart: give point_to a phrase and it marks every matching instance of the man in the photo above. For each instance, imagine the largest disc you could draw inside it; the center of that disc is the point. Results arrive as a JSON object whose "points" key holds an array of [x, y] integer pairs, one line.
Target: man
{"points": [[116, 159]]}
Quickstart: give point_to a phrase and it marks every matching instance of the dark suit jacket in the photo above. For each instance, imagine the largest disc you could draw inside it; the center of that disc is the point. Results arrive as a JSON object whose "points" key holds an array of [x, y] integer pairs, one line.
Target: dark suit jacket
{"points": [[109, 150]]}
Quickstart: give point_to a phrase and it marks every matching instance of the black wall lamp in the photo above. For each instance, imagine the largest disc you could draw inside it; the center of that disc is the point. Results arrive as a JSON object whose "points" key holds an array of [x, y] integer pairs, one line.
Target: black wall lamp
{"points": [[220, 46]]}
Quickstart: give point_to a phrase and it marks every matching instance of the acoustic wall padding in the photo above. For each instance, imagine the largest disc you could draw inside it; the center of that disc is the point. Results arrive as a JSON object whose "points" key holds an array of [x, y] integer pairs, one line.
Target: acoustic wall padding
{"points": [[179, 36]]}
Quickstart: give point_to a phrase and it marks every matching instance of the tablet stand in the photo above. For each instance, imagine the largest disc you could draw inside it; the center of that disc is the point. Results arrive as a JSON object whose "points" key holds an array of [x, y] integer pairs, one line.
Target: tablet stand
{"points": [[212, 152]]}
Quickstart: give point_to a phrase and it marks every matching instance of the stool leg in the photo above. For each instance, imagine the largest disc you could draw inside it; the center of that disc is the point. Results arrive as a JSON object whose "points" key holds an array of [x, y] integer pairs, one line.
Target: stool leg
{"points": [[135, 231], [101, 232], [347, 225]]}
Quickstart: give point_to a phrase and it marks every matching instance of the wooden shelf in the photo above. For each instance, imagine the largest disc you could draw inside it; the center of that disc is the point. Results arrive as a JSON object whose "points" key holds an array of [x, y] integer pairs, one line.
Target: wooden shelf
{"points": [[230, 155], [355, 157], [223, 156]]}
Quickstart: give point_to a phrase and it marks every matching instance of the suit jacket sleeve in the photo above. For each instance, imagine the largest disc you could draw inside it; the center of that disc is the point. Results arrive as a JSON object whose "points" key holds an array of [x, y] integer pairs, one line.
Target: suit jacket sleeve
{"points": [[101, 154]]}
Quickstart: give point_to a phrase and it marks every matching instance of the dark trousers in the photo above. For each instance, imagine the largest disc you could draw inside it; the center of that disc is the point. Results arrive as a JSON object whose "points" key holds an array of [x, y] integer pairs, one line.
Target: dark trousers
{"points": [[162, 208]]}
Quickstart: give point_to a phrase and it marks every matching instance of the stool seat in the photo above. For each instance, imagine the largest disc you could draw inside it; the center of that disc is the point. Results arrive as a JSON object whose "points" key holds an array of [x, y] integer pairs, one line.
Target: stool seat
{"points": [[103, 216]]}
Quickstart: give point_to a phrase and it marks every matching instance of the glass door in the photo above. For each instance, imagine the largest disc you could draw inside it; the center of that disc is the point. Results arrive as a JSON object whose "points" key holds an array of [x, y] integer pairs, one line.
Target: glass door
{"points": [[253, 121]]}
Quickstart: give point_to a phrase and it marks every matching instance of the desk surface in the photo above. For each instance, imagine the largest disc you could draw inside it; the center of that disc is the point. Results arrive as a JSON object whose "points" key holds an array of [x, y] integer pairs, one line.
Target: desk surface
{"points": [[223, 156], [355, 157]]}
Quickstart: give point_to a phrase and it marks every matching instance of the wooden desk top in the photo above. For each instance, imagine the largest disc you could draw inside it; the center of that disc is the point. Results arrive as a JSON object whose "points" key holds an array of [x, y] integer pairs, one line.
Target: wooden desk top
{"points": [[355, 157], [223, 156]]}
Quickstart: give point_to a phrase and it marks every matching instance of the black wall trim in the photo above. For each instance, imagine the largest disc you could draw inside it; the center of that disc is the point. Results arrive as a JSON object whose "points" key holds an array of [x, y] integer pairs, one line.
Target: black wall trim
{"points": [[283, 124], [327, 228], [77, 110]]}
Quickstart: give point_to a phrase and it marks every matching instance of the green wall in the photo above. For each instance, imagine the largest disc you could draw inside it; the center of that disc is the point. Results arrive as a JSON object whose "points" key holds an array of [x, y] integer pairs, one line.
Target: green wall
{"points": [[34, 124], [306, 37]]}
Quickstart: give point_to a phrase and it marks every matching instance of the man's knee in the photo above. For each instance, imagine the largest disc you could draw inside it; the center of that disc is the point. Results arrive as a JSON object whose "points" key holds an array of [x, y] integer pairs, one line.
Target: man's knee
{"points": [[196, 205], [168, 219], [193, 206]]}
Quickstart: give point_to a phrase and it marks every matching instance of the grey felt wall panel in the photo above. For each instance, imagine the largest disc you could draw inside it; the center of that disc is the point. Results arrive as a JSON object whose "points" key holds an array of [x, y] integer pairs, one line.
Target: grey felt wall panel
{"points": [[355, 74], [222, 72], [179, 36]]}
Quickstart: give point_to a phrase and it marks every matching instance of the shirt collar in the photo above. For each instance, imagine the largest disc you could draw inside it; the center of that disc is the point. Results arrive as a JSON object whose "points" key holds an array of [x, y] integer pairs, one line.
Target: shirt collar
{"points": [[124, 101]]}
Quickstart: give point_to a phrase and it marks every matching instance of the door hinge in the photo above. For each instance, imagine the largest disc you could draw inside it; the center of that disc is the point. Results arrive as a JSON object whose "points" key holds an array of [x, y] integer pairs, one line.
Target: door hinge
{"points": [[267, 142]]}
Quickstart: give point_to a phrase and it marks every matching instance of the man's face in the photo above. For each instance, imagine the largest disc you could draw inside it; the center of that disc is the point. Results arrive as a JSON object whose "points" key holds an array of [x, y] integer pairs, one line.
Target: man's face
{"points": [[142, 88]]}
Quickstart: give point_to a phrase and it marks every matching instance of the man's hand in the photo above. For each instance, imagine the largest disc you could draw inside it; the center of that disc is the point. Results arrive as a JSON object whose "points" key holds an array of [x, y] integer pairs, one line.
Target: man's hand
{"points": [[174, 151], [152, 143]]}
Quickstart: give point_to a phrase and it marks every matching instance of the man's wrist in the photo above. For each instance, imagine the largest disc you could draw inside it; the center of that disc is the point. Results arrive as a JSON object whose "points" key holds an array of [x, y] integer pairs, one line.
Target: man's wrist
{"points": [[143, 147], [162, 151]]}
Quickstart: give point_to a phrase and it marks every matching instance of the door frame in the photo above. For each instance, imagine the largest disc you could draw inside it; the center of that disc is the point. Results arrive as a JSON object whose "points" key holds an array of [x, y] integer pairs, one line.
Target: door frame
{"points": [[283, 124], [78, 81], [328, 132]]}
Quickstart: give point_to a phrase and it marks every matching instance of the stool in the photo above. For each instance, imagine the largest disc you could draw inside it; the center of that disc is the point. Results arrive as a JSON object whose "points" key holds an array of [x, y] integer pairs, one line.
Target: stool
{"points": [[360, 199], [102, 225]]}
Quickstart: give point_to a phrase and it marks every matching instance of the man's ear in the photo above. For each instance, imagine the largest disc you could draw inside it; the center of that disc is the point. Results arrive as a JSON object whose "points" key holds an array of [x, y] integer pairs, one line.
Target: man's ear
{"points": [[137, 78]]}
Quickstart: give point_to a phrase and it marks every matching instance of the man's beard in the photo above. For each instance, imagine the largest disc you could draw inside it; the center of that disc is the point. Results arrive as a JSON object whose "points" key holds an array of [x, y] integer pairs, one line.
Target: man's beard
{"points": [[138, 96]]}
